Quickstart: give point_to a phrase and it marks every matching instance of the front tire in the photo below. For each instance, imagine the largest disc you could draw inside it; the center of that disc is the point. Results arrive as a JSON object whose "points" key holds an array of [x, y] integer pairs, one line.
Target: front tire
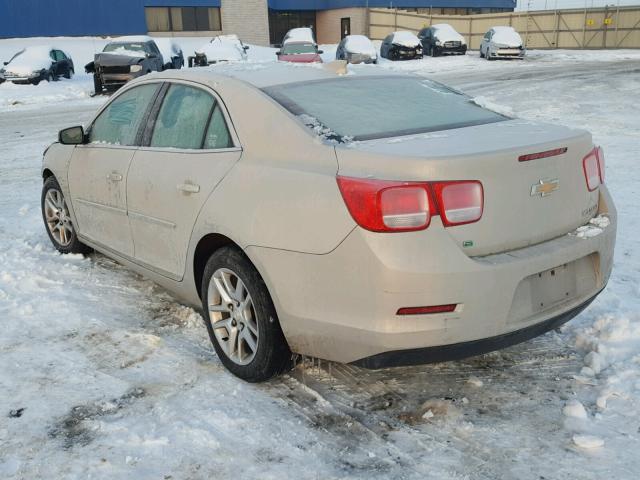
{"points": [[57, 219], [241, 319], [97, 84]]}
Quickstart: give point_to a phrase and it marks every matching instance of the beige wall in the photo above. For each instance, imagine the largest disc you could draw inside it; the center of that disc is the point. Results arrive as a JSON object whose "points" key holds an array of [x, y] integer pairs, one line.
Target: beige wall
{"points": [[328, 23], [249, 19], [577, 28]]}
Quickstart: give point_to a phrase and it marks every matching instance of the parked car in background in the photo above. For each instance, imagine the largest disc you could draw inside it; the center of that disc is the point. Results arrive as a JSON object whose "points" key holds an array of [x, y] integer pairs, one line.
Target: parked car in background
{"points": [[299, 52], [401, 46], [123, 60], [501, 42], [441, 39], [357, 49], [171, 52], [35, 64], [223, 48], [199, 194]]}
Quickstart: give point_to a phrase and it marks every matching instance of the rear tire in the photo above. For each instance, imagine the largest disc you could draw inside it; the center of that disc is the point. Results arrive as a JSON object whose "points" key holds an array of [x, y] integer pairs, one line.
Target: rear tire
{"points": [[58, 221], [241, 319]]}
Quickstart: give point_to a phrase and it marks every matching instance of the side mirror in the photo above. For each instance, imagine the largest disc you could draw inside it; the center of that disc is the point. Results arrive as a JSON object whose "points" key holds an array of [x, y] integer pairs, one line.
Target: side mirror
{"points": [[5, 63], [71, 136], [320, 52], [246, 47], [278, 53]]}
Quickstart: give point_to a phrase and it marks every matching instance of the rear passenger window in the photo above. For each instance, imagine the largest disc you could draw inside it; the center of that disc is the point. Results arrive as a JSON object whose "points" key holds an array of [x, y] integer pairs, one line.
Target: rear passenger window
{"points": [[118, 124], [218, 133], [183, 118]]}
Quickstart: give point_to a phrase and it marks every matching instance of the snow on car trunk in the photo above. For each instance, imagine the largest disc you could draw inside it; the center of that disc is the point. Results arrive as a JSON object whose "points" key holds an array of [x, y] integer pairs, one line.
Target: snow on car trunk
{"points": [[32, 59], [405, 39]]}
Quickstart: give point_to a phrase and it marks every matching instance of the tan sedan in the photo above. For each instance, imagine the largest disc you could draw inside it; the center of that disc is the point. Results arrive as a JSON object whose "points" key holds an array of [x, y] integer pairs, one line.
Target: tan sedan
{"points": [[372, 218]]}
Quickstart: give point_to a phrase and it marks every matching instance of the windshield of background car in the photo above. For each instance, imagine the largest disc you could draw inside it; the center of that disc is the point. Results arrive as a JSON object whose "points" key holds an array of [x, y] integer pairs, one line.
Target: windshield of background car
{"points": [[298, 48], [342, 109], [129, 47]]}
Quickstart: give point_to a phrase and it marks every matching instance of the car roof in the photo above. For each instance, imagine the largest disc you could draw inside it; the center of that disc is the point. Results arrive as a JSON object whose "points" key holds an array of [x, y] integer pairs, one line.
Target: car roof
{"points": [[132, 39], [264, 76]]}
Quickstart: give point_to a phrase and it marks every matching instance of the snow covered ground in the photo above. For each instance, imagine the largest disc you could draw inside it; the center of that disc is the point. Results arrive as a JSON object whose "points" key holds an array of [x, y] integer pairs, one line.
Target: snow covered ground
{"points": [[103, 375]]}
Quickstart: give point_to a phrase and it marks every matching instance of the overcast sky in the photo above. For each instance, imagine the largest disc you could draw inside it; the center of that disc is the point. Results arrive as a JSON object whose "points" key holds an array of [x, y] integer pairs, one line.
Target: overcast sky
{"points": [[552, 4]]}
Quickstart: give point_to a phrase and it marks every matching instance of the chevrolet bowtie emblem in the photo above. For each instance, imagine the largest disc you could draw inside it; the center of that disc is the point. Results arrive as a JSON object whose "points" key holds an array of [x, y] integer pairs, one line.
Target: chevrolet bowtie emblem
{"points": [[545, 187]]}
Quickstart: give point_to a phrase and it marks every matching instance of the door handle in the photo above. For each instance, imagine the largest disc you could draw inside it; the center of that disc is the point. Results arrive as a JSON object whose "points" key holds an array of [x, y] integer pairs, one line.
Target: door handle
{"points": [[114, 177], [189, 188]]}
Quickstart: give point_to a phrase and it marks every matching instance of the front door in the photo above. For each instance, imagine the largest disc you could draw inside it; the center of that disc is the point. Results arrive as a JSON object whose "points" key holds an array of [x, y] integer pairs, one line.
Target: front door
{"points": [[98, 170], [190, 149], [345, 27]]}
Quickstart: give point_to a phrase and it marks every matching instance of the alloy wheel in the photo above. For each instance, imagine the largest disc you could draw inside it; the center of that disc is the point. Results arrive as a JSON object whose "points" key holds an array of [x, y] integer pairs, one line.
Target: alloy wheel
{"points": [[233, 316], [58, 218]]}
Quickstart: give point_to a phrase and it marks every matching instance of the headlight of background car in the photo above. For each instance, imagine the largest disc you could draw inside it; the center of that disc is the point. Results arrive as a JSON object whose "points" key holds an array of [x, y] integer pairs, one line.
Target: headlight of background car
{"points": [[135, 68]]}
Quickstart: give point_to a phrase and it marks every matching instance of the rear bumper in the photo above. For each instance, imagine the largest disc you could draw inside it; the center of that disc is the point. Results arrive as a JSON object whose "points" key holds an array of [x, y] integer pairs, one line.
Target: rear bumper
{"points": [[457, 351], [343, 306]]}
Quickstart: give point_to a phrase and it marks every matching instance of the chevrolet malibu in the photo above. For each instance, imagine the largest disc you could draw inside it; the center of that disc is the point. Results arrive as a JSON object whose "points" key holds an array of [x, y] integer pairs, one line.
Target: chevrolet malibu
{"points": [[303, 218]]}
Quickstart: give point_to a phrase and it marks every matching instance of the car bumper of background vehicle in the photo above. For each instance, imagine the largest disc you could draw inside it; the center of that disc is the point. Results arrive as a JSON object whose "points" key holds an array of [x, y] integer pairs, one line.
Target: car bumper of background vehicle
{"points": [[117, 78], [343, 306]]}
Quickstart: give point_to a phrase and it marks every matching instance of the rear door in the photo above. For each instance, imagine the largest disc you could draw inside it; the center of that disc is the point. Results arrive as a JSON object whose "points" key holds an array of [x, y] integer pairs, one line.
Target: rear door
{"points": [[189, 148], [97, 171]]}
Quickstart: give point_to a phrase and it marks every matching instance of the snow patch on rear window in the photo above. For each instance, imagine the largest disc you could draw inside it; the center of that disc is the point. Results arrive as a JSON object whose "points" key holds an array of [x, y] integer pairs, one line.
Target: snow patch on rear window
{"points": [[484, 102], [322, 131]]}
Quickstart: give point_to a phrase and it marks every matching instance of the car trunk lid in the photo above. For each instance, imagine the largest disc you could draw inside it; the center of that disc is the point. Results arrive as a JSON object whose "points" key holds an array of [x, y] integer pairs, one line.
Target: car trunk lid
{"points": [[525, 202]]}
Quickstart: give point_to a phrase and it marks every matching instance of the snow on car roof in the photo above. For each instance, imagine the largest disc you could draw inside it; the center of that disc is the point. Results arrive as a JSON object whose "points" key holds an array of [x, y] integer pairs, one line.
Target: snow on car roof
{"points": [[303, 34], [506, 35], [132, 39], [168, 48], [360, 44], [447, 33], [406, 39]]}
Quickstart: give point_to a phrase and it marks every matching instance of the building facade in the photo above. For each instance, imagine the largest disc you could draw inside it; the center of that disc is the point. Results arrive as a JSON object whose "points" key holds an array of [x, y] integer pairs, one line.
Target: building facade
{"points": [[260, 22]]}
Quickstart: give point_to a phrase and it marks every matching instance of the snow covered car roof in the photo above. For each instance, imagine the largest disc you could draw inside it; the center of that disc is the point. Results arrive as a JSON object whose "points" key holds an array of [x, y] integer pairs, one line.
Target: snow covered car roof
{"points": [[304, 34], [507, 36], [168, 48], [122, 45], [223, 48], [446, 33], [360, 44], [30, 60], [405, 39]]}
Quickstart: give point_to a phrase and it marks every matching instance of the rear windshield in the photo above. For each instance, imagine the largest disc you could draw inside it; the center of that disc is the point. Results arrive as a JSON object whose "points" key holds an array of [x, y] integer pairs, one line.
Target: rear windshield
{"points": [[345, 109], [298, 48]]}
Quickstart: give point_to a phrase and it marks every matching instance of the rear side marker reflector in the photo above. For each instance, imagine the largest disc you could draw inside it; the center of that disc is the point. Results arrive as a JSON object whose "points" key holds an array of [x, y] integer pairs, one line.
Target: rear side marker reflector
{"points": [[593, 167], [427, 310], [536, 156]]}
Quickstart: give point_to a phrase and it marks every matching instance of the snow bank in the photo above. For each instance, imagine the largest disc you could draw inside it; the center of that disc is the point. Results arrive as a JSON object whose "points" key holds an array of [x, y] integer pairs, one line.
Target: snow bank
{"points": [[506, 36], [405, 39], [360, 44], [223, 48]]}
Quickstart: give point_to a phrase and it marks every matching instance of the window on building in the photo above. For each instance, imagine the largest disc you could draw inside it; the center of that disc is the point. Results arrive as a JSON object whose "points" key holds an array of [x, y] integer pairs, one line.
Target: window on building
{"points": [[183, 19]]}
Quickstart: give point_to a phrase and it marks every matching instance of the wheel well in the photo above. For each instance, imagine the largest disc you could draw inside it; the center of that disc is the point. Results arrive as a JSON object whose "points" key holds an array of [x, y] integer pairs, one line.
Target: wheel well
{"points": [[205, 248], [46, 174]]}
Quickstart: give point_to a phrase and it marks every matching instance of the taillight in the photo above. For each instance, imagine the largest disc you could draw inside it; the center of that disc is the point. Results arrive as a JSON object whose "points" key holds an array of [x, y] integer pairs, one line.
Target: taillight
{"points": [[600, 155], [387, 206], [591, 167], [390, 206], [459, 202]]}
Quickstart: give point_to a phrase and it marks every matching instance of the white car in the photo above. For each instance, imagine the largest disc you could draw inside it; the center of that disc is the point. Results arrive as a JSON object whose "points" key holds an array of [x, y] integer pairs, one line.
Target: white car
{"points": [[223, 48], [502, 42], [357, 49]]}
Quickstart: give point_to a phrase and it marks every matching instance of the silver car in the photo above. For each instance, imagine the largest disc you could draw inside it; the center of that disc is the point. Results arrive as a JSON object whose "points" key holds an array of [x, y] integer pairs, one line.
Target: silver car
{"points": [[300, 216]]}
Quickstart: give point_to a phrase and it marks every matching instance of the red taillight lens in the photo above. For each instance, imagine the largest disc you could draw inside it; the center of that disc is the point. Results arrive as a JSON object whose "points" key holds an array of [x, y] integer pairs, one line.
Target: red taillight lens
{"points": [[591, 169], [459, 203], [600, 155], [405, 207], [387, 206]]}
